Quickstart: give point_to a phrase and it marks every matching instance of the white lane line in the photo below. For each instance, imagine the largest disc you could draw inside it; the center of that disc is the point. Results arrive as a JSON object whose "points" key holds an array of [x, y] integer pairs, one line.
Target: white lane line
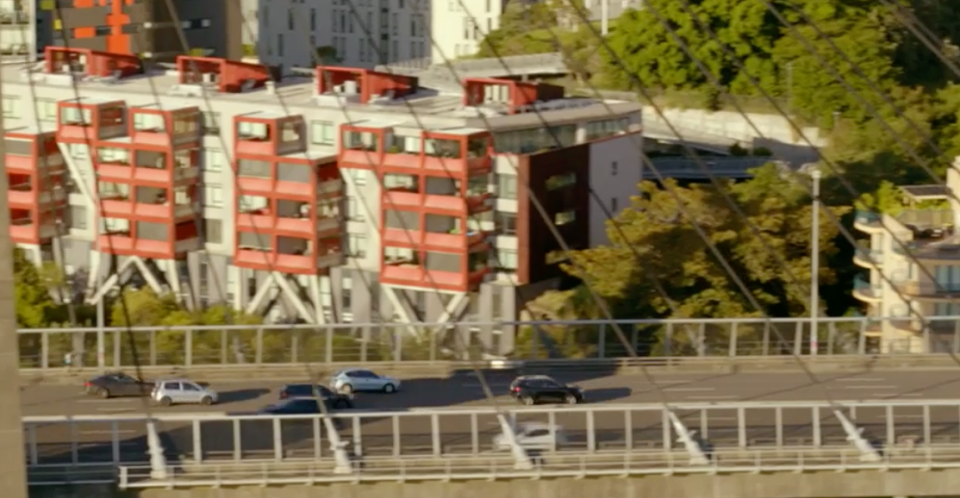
{"points": [[122, 431], [115, 410], [861, 379], [116, 400], [661, 382], [708, 398], [690, 389], [870, 387]]}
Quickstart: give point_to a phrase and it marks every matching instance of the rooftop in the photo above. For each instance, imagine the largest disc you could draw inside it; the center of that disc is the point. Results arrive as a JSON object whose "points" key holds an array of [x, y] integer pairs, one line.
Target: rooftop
{"points": [[344, 89]]}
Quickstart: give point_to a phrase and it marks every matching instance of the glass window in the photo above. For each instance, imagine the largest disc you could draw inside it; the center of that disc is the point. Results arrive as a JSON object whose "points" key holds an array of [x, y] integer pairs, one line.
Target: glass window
{"points": [[247, 130], [213, 230], [11, 106], [506, 259], [148, 122], [507, 186], [356, 245], [565, 217], [72, 116], [46, 109], [359, 176], [559, 181], [322, 133], [212, 195], [506, 223], [213, 160], [211, 123], [353, 210]]}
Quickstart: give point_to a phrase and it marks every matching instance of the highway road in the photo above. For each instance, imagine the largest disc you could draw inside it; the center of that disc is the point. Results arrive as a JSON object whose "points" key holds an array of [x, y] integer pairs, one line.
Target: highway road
{"points": [[377, 435]]}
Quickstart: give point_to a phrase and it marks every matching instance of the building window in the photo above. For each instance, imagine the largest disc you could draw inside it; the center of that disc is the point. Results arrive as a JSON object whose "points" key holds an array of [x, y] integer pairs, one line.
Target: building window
{"points": [[565, 217], [290, 24], [559, 181], [11, 106], [212, 195], [506, 223], [213, 230], [313, 19], [213, 160], [46, 109], [353, 211], [947, 278], [613, 168], [356, 245], [507, 260], [322, 132], [614, 205], [211, 123], [280, 45], [78, 218], [507, 186], [946, 309], [358, 176]]}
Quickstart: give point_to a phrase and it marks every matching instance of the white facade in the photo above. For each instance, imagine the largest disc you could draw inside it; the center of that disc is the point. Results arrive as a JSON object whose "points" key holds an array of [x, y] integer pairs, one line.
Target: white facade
{"points": [[615, 171], [460, 25], [362, 33], [349, 291]]}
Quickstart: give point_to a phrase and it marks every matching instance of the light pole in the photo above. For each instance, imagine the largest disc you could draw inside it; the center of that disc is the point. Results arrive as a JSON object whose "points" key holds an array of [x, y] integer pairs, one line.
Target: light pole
{"points": [[815, 262]]}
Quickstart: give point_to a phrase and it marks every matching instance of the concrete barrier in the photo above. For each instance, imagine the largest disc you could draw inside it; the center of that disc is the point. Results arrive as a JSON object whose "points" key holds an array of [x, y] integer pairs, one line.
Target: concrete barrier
{"points": [[626, 366]]}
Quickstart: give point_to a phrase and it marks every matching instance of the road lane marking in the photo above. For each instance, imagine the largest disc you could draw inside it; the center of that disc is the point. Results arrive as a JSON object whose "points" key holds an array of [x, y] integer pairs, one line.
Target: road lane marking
{"points": [[115, 410], [718, 397], [690, 389], [870, 387]]}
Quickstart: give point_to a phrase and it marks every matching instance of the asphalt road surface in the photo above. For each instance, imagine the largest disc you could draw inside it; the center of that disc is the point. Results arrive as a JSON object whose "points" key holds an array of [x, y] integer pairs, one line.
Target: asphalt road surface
{"points": [[379, 436]]}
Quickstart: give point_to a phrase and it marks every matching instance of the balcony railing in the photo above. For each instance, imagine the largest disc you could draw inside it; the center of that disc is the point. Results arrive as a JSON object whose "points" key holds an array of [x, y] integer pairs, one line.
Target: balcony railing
{"points": [[868, 256], [867, 218], [14, 17]]}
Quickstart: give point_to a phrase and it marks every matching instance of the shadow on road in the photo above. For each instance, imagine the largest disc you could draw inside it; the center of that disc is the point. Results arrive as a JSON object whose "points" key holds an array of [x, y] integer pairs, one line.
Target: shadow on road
{"points": [[607, 394], [238, 395]]}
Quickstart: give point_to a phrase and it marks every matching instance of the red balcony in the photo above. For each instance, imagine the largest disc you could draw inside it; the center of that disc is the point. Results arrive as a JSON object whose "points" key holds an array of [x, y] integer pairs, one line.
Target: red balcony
{"points": [[63, 60], [27, 227], [226, 75], [30, 152], [412, 275], [269, 135], [303, 264], [28, 196], [521, 95], [363, 83], [293, 227], [446, 242], [151, 240], [88, 120], [150, 125]]}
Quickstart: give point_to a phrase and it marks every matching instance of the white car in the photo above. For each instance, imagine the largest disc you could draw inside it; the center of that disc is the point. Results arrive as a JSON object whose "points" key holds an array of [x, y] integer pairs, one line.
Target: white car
{"points": [[533, 436], [353, 380]]}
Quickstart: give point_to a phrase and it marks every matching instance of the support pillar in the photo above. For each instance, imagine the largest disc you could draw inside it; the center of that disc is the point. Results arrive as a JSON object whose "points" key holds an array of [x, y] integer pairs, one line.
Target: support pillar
{"points": [[158, 462], [868, 452]]}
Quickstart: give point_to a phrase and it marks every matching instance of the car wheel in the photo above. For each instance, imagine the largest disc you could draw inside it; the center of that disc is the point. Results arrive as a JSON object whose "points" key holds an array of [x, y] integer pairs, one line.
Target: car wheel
{"points": [[346, 389], [103, 393], [165, 401], [206, 401], [571, 399], [389, 388], [527, 400]]}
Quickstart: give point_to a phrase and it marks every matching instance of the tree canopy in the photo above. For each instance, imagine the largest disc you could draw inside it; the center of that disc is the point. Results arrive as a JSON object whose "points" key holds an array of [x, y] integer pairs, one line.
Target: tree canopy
{"points": [[657, 244]]}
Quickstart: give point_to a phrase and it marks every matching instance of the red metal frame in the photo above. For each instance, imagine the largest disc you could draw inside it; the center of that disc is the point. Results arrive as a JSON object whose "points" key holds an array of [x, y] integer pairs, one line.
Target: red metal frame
{"points": [[99, 64], [369, 82], [34, 211], [522, 93], [231, 76], [325, 186]]}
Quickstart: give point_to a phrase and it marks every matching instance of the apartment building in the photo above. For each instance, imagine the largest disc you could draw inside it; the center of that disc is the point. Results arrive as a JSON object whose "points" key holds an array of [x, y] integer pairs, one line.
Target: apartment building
{"points": [[913, 264], [350, 195], [350, 33], [143, 27]]}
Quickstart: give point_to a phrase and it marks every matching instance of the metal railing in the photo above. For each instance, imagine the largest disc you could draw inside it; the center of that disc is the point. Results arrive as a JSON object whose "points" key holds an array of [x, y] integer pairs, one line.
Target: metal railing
{"points": [[99, 441], [721, 167], [292, 345], [548, 466]]}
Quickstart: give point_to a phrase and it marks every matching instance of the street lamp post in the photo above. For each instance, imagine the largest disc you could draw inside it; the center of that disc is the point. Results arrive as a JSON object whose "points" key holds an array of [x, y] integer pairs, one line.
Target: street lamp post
{"points": [[815, 262]]}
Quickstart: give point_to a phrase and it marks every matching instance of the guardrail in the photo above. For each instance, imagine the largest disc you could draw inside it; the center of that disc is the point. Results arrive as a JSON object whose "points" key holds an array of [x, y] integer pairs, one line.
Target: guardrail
{"points": [[220, 438], [548, 466], [45, 349]]}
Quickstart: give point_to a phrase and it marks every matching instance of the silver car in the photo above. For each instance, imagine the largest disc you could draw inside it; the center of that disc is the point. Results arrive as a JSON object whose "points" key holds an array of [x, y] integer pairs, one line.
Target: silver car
{"points": [[358, 379], [182, 392]]}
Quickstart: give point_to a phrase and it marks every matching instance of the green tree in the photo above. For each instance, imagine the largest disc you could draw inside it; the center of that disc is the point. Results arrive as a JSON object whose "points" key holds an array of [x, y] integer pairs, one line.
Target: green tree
{"points": [[33, 302], [669, 248]]}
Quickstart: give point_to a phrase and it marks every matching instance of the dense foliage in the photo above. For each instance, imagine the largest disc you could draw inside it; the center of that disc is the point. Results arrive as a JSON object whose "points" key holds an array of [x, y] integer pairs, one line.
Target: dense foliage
{"points": [[888, 105]]}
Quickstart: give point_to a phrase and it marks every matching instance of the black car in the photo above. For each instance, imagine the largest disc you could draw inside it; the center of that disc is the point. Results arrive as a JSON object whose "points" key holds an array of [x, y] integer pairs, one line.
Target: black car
{"points": [[293, 406], [333, 400], [116, 385], [535, 389]]}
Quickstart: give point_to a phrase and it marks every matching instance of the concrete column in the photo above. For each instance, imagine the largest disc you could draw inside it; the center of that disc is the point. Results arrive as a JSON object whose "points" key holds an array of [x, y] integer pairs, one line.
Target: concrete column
{"points": [[13, 473]]}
